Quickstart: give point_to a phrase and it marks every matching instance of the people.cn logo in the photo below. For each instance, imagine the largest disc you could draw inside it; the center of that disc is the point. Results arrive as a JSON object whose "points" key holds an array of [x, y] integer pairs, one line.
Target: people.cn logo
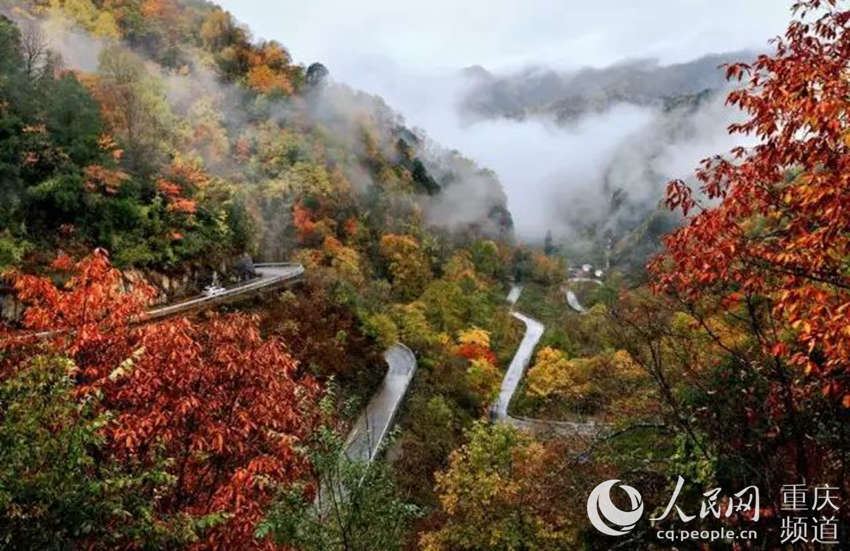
{"points": [[607, 517]]}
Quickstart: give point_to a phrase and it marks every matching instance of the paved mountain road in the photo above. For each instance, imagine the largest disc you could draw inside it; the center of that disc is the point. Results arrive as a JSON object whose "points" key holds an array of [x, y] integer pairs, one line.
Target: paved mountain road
{"points": [[533, 332], [572, 299], [368, 432], [269, 275]]}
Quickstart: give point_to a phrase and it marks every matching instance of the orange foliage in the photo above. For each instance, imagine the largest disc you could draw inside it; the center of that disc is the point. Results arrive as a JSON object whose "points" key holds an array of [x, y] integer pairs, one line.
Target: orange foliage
{"points": [[472, 351], [185, 206], [182, 179], [265, 79], [351, 226], [169, 189], [160, 9], [304, 222], [102, 179]]}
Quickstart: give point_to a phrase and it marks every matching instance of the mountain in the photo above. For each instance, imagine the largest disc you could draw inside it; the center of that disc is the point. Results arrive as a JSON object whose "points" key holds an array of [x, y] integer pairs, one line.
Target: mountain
{"points": [[566, 96], [606, 213], [167, 135], [147, 150]]}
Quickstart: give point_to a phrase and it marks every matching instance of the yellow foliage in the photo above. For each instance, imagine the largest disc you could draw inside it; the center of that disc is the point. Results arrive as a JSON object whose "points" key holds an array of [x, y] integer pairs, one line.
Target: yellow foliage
{"points": [[381, 328], [549, 372], [476, 336], [590, 384], [497, 493], [483, 378], [407, 263], [547, 269], [84, 12], [309, 258], [345, 260], [460, 267], [413, 325]]}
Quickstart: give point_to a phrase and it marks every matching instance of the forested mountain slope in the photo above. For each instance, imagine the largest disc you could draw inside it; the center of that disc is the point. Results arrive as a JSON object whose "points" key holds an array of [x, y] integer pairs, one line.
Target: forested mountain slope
{"points": [[162, 132], [140, 140], [151, 140]]}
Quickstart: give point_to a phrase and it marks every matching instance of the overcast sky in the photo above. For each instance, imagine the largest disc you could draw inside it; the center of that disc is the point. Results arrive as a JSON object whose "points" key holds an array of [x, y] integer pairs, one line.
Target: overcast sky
{"points": [[509, 33], [410, 53]]}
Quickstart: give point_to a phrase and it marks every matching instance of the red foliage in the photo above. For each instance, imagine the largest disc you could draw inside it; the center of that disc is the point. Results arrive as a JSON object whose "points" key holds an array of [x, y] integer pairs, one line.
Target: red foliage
{"points": [[92, 308], [472, 351], [305, 225], [243, 150], [225, 405], [181, 181], [167, 188], [351, 226], [186, 206], [780, 231]]}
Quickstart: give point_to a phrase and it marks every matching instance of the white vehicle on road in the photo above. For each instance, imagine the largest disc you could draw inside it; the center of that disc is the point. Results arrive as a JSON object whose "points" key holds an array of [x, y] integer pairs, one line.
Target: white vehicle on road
{"points": [[213, 290]]}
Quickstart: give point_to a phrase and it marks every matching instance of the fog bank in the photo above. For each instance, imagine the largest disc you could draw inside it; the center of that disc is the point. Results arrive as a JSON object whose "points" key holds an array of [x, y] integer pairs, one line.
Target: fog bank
{"points": [[559, 177]]}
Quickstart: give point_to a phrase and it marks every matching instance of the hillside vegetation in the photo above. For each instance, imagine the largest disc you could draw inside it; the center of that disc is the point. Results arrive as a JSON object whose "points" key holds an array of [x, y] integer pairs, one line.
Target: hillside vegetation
{"points": [[145, 141]]}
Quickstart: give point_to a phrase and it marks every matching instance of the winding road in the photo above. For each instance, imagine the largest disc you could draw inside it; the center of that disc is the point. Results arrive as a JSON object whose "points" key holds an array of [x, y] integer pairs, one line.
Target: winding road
{"points": [[367, 435], [572, 299], [533, 332], [368, 432], [269, 276]]}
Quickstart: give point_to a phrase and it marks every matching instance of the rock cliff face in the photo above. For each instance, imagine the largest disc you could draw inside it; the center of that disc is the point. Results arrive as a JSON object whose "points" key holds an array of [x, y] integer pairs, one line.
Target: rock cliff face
{"points": [[180, 285], [10, 308]]}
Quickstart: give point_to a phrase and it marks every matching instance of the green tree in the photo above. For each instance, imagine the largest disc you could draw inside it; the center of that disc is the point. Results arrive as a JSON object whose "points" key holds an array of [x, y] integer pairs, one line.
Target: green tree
{"points": [[135, 106], [356, 507], [57, 491], [73, 119]]}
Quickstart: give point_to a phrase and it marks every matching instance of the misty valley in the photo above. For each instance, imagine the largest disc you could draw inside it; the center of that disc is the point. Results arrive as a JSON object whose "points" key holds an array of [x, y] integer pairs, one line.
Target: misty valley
{"points": [[365, 276]]}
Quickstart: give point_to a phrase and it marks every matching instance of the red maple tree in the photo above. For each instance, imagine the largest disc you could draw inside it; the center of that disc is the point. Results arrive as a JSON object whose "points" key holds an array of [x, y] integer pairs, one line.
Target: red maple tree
{"points": [[778, 228], [224, 405]]}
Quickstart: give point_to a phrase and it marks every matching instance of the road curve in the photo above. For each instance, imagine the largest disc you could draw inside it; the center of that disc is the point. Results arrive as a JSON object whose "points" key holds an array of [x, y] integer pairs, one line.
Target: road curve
{"points": [[513, 295], [533, 331], [269, 275], [521, 359], [572, 299], [368, 432], [370, 429]]}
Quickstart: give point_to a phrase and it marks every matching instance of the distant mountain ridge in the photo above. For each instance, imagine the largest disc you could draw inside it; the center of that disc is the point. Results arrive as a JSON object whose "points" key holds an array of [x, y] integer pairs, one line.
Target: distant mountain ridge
{"points": [[566, 96], [620, 207]]}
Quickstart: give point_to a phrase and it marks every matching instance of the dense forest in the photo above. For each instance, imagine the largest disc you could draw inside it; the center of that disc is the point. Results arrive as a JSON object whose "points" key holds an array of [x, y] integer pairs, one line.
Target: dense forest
{"points": [[153, 148]]}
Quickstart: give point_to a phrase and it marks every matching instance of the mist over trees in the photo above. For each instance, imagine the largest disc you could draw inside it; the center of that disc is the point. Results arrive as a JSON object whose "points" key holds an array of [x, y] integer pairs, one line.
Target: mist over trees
{"points": [[151, 149]]}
